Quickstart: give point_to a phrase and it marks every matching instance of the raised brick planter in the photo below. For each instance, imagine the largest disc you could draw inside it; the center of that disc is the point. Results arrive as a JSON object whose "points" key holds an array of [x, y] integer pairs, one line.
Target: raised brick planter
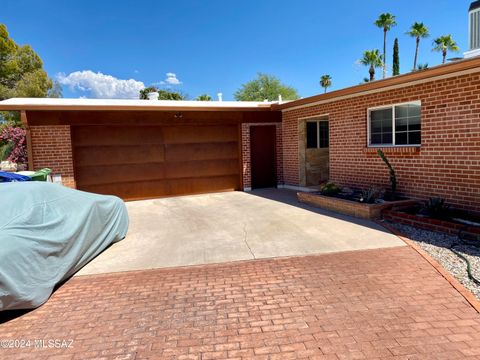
{"points": [[347, 207], [448, 227]]}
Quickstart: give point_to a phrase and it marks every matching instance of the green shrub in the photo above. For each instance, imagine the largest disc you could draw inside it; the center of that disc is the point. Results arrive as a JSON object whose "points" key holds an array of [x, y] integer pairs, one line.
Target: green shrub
{"points": [[330, 189]]}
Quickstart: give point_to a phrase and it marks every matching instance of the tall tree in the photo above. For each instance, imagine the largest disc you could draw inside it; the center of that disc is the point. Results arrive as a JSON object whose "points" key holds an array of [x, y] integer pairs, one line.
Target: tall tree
{"points": [[385, 21], [204, 97], [417, 31], [444, 44], [21, 73], [396, 58], [171, 95], [372, 59], [265, 87], [325, 81]]}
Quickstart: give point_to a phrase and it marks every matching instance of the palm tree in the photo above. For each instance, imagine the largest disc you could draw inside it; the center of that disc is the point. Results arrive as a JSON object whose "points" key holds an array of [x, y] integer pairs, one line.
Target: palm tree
{"points": [[326, 81], [373, 59], [443, 44], [385, 21], [418, 31]]}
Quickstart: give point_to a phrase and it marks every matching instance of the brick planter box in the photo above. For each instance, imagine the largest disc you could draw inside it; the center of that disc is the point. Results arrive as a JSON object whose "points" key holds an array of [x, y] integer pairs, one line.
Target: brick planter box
{"points": [[448, 227], [348, 207]]}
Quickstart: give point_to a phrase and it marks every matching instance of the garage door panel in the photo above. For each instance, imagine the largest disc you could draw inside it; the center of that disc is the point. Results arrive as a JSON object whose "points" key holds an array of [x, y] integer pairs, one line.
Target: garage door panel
{"points": [[207, 151], [91, 175], [132, 190], [202, 185], [154, 161], [199, 134], [117, 135], [159, 188], [205, 168], [118, 155]]}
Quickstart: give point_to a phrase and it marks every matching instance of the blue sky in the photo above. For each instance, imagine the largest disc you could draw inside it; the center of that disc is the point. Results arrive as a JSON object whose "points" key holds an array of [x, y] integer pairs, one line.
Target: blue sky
{"points": [[215, 46]]}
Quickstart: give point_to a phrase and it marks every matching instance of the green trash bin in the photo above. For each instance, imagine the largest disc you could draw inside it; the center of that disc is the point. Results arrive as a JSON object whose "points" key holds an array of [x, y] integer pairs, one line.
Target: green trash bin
{"points": [[41, 175]]}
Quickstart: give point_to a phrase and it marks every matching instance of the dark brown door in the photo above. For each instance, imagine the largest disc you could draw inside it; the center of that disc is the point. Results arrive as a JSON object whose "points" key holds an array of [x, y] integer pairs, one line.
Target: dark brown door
{"points": [[135, 162], [262, 147]]}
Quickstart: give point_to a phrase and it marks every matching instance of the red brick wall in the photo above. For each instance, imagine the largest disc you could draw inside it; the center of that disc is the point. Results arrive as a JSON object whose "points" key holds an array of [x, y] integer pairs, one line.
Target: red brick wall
{"points": [[246, 166], [52, 148], [447, 164]]}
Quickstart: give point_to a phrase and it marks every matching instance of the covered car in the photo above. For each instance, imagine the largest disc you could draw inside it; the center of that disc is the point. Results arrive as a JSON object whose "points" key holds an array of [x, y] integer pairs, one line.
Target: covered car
{"points": [[47, 233]]}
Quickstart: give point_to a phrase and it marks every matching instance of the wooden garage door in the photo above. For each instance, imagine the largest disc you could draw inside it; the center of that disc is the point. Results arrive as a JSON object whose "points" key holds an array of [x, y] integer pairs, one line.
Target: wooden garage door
{"points": [[135, 162]]}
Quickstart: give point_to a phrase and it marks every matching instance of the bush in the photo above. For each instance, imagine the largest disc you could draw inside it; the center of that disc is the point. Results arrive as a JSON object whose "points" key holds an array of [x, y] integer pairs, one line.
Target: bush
{"points": [[330, 189], [13, 144]]}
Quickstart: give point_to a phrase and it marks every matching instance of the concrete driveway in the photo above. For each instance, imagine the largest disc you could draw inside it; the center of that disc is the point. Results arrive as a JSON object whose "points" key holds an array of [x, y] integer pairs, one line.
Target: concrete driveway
{"points": [[230, 226]]}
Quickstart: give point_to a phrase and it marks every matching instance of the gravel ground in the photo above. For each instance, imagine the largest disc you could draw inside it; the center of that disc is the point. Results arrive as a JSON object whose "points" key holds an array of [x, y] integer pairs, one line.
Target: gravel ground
{"points": [[438, 244]]}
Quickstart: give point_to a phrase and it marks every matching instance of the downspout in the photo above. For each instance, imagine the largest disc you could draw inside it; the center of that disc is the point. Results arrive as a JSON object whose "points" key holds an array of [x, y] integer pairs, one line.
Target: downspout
{"points": [[23, 117]]}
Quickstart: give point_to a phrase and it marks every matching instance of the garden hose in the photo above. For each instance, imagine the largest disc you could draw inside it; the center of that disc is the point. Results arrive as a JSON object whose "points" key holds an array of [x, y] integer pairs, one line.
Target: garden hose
{"points": [[464, 258]]}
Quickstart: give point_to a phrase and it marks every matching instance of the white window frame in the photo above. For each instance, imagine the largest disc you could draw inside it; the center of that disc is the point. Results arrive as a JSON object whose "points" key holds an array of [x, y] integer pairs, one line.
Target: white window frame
{"points": [[317, 121], [392, 106]]}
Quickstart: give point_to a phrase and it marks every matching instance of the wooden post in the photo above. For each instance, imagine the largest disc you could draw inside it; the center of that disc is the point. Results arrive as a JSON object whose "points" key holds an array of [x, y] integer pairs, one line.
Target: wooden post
{"points": [[23, 117]]}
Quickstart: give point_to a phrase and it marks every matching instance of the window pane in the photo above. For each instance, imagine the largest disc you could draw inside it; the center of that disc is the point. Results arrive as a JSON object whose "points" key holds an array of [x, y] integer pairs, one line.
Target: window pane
{"points": [[407, 124], [414, 123], [323, 134], [376, 139], [312, 135], [401, 124], [376, 126], [401, 138], [414, 138], [387, 138], [381, 126], [381, 114], [413, 110], [401, 111]]}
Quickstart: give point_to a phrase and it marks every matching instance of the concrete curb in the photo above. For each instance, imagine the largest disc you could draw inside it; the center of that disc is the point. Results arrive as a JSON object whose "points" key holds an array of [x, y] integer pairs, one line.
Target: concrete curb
{"points": [[471, 299]]}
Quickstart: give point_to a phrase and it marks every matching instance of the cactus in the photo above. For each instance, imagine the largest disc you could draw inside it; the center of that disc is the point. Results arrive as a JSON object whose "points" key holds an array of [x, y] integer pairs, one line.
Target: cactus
{"points": [[393, 177]]}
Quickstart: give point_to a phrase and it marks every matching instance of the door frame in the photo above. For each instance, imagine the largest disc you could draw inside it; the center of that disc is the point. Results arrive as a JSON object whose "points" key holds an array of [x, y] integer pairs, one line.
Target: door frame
{"points": [[302, 144]]}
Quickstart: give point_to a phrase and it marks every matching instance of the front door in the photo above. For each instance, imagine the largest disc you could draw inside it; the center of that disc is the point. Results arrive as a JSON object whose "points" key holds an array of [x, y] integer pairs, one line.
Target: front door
{"points": [[262, 148], [317, 152]]}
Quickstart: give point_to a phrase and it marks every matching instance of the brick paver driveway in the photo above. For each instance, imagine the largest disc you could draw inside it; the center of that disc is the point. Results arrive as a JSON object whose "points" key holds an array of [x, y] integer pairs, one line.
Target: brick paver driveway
{"points": [[386, 303]]}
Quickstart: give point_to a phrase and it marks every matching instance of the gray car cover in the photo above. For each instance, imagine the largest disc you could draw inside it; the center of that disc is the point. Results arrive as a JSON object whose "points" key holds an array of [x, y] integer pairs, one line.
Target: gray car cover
{"points": [[47, 233]]}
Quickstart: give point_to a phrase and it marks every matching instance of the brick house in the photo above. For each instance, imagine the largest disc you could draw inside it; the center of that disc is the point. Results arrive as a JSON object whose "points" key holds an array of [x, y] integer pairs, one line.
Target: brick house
{"points": [[427, 123]]}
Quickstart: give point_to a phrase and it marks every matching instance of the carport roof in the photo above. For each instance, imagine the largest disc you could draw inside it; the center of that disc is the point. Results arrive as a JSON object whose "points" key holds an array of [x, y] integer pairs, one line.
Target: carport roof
{"points": [[122, 104]]}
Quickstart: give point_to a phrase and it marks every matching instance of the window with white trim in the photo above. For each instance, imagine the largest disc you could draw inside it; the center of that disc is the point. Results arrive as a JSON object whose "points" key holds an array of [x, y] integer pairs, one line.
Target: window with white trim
{"points": [[317, 134], [395, 125]]}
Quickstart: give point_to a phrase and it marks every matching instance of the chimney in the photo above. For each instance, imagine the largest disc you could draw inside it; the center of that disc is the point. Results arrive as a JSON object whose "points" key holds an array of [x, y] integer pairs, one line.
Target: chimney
{"points": [[219, 96], [473, 30]]}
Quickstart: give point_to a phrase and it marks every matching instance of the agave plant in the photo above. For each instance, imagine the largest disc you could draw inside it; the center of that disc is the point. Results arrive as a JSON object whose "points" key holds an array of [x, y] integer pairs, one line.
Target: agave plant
{"points": [[436, 208]]}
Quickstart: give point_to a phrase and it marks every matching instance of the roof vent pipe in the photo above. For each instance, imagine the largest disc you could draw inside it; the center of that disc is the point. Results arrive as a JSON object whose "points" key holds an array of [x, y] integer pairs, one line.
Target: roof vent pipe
{"points": [[220, 96], [279, 98]]}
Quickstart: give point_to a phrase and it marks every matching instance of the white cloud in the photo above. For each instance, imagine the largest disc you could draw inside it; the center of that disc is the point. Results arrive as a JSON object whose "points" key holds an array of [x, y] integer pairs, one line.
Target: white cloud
{"points": [[171, 79], [101, 86]]}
